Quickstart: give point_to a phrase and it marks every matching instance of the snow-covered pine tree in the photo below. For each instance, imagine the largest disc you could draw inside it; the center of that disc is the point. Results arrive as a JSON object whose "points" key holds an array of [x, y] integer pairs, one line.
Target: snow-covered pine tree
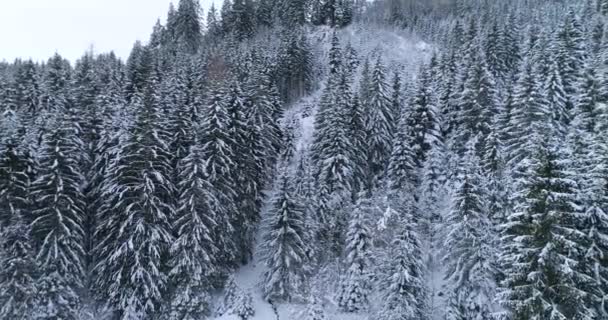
{"points": [[355, 285], [14, 177], [432, 202], [592, 173], [178, 106], [244, 308], [358, 145], [469, 244], [314, 310], [27, 90], [571, 54], [403, 281], [194, 253], [17, 270], [188, 26], [556, 98], [263, 113], [478, 104], [285, 247], [402, 171], [242, 20], [542, 242], [527, 108], [59, 211], [379, 120], [217, 148], [248, 174], [134, 243], [423, 123]]}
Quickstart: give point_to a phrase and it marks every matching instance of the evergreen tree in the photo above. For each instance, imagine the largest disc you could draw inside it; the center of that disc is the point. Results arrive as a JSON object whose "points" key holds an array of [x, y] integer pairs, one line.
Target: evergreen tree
{"points": [[423, 123], [247, 176], [556, 97], [355, 286], [542, 243], [469, 244], [14, 177], [59, 214], [27, 90], [402, 171], [285, 247], [293, 12], [315, 311], [592, 172], [18, 270], [379, 120], [194, 253], [214, 27], [264, 13], [188, 26], [403, 282], [217, 149], [528, 108], [134, 243], [295, 65], [478, 104], [571, 53], [242, 23]]}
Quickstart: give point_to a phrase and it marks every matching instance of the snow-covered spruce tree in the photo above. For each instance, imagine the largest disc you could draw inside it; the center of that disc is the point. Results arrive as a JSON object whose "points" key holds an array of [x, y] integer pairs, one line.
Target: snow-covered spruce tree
{"points": [[403, 285], [135, 234], [14, 162], [295, 65], [248, 174], [571, 54], [54, 91], [244, 308], [355, 285], [542, 241], [314, 310], [217, 149], [402, 172], [528, 107], [469, 245], [379, 120], [556, 98], [57, 228], [403, 274], [194, 252], [592, 173], [478, 103], [227, 303], [332, 156], [179, 105], [585, 112], [17, 270], [188, 26], [285, 247], [358, 145], [497, 181], [432, 201], [264, 109], [112, 114], [27, 90], [423, 123]]}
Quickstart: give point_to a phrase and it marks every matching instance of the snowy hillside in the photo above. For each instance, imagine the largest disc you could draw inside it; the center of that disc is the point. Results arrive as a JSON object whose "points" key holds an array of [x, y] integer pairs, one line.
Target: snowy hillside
{"points": [[403, 54], [314, 160]]}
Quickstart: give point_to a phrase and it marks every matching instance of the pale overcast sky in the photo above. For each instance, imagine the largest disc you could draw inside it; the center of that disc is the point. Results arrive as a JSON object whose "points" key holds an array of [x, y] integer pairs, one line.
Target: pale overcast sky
{"points": [[38, 28]]}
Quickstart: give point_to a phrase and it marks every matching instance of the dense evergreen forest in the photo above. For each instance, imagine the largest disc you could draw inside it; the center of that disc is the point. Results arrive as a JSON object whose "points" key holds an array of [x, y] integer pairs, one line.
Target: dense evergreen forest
{"points": [[469, 185]]}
